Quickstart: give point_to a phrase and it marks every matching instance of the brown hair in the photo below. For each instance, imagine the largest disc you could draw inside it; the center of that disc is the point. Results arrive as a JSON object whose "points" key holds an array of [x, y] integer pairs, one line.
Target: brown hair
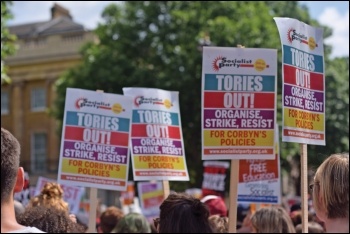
{"points": [[109, 218], [218, 224], [180, 213], [50, 195], [272, 220], [10, 153], [331, 182]]}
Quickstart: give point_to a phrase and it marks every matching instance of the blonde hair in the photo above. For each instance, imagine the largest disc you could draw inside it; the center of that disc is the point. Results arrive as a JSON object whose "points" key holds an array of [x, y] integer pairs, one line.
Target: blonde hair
{"points": [[331, 183], [52, 196], [272, 220], [313, 227], [218, 224]]}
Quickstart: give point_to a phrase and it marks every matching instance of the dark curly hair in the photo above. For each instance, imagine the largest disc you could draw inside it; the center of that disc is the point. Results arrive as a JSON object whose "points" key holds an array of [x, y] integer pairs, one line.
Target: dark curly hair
{"points": [[182, 213], [49, 219]]}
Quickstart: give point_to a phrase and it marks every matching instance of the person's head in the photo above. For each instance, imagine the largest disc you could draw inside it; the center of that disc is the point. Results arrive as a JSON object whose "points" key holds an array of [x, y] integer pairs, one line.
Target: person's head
{"points": [[19, 208], [181, 212], [132, 223], [296, 217], [110, 218], [295, 207], [242, 211], [50, 195], [313, 227], [331, 188], [216, 205], [245, 226], [272, 220], [48, 219], [12, 175], [218, 224], [247, 219]]}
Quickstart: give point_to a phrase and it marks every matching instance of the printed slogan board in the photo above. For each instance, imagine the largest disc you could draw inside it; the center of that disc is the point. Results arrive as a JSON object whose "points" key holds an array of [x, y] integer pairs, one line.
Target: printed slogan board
{"points": [[214, 178], [303, 90], [238, 103], [156, 135], [151, 195], [259, 180], [127, 197], [95, 140]]}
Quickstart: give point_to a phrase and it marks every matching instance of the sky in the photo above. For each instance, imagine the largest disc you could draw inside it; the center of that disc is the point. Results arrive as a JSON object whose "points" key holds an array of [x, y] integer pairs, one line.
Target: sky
{"points": [[334, 14]]}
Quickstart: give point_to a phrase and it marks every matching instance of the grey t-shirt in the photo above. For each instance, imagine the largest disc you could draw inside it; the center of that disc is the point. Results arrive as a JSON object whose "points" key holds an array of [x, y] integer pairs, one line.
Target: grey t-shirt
{"points": [[27, 230]]}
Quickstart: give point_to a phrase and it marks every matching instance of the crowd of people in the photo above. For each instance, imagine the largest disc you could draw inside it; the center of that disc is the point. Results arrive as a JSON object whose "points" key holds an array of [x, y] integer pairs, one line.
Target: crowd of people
{"points": [[179, 212]]}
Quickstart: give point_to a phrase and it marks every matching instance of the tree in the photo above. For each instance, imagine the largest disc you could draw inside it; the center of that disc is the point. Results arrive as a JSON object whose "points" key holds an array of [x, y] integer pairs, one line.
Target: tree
{"points": [[157, 45], [337, 111], [7, 39]]}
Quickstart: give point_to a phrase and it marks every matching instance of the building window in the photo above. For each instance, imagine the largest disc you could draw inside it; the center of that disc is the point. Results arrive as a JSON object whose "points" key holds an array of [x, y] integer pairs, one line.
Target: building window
{"points": [[39, 147], [4, 102], [38, 99]]}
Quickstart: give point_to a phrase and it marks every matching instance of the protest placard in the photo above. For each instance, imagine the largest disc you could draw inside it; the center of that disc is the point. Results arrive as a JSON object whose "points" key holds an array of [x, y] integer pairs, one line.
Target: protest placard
{"points": [[127, 197], [303, 92], [303, 88], [238, 103], [259, 180], [151, 196], [214, 178], [239, 92], [95, 140], [156, 135]]}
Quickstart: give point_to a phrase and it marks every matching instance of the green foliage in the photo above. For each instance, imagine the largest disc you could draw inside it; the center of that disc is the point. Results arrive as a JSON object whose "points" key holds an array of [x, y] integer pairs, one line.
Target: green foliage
{"points": [[337, 111], [7, 39], [157, 45]]}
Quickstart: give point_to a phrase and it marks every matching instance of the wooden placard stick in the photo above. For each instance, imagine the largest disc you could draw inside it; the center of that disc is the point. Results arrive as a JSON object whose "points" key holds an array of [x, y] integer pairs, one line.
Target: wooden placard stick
{"points": [[232, 228], [93, 203], [166, 188], [304, 188], [92, 210], [233, 196]]}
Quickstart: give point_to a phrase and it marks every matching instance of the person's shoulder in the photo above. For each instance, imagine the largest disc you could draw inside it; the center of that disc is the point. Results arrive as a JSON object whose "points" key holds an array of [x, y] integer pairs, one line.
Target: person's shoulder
{"points": [[27, 230]]}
